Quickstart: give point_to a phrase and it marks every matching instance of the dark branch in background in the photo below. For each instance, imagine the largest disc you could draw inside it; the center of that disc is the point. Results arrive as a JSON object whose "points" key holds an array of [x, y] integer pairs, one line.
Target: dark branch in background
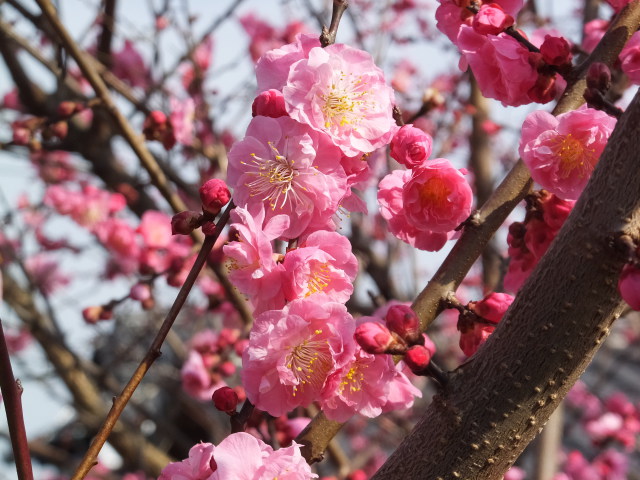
{"points": [[328, 36], [481, 162], [120, 402], [11, 396], [103, 52], [493, 213]]}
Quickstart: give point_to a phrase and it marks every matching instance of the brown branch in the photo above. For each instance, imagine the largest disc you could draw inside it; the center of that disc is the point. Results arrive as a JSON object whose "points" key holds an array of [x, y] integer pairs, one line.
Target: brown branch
{"points": [[120, 402], [11, 396], [328, 36], [548, 447], [557, 322], [134, 140], [103, 52], [490, 217]]}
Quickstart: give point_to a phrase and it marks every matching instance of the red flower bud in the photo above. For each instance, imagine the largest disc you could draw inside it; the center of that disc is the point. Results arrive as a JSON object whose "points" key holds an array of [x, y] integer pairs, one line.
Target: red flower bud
{"points": [[269, 103], [404, 321], [184, 223], [555, 50], [225, 400], [214, 195], [417, 358], [599, 77], [92, 314]]}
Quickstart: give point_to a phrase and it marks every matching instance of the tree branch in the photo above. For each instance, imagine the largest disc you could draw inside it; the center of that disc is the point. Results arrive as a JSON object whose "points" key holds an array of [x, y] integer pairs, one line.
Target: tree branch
{"points": [[11, 393]]}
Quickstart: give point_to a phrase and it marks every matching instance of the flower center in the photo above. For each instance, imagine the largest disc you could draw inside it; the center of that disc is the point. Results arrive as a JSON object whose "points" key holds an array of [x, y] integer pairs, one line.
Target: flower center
{"points": [[318, 279], [573, 155], [344, 103], [275, 178], [434, 192], [353, 380], [310, 362]]}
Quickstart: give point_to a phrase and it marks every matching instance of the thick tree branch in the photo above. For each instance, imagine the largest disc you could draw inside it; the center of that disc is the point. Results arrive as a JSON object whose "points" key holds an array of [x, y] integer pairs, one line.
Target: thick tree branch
{"points": [[499, 400]]}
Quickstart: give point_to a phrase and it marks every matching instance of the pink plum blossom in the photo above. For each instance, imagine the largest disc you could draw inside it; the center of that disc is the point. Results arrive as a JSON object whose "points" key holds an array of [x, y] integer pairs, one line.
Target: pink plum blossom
{"points": [[629, 286], [323, 263], [196, 377], [452, 14], [390, 199], [155, 229], [491, 19], [618, 5], [292, 351], [272, 69], [265, 37], [630, 58], [196, 467], [561, 152], [87, 207], [128, 65], [593, 33], [252, 268], [411, 146], [182, 119], [492, 307], [338, 90], [364, 386], [291, 169], [437, 197], [501, 65], [45, 273], [269, 103]]}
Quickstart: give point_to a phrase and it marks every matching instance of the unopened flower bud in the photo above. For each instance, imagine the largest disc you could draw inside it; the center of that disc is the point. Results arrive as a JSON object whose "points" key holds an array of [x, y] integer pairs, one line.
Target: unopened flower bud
{"points": [[184, 223], [60, 129], [214, 195], [208, 228], [402, 320], [140, 292], [556, 50], [599, 77], [269, 103], [225, 400], [92, 314], [417, 358], [227, 369], [374, 337], [492, 307], [67, 108], [491, 19]]}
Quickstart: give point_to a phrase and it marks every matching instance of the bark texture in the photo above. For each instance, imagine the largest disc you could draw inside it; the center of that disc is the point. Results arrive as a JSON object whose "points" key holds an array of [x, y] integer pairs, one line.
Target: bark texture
{"points": [[498, 401]]}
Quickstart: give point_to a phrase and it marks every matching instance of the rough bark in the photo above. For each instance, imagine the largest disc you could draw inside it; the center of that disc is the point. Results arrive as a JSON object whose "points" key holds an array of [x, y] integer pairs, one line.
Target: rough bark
{"points": [[498, 401]]}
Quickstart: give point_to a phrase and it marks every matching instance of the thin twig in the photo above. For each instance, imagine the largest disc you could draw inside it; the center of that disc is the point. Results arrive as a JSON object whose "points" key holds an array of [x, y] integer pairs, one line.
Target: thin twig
{"points": [[328, 36], [120, 402], [11, 394]]}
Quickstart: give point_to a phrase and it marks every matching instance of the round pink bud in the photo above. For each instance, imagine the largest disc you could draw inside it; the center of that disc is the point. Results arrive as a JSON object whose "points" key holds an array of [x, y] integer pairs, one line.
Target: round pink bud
{"points": [[491, 19], [225, 400], [629, 286], [438, 197], [556, 50], [417, 358], [208, 228], [67, 108], [184, 223], [214, 195], [492, 307], [599, 76], [92, 314], [402, 320], [227, 369], [373, 337], [269, 103], [411, 146], [140, 292]]}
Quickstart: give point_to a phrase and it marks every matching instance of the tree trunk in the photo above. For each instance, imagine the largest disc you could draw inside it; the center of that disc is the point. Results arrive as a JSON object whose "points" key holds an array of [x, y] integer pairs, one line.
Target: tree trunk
{"points": [[497, 402]]}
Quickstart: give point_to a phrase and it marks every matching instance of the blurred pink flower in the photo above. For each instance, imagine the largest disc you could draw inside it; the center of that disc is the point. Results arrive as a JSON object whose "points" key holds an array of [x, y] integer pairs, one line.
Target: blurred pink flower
{"points": [[630, 58], [128, 65], [155, 229], [44, 272]]}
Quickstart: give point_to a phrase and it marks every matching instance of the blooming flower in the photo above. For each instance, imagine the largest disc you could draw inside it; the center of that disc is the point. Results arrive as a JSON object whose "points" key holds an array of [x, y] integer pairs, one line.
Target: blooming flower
{"points": [[437, 197], [129, 66], [630, 58], [252, 268], [291, 169], [339, 90], [323, 263], [292, 351], [364, 386], [390, 199], [561, 152], [155, 229]]}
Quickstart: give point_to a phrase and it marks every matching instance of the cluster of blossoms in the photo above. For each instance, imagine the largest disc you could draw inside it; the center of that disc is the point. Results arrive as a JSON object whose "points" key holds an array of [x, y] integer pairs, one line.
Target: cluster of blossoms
{"points": [[423, 205], [477, 320], [210, 361], [240, 455], [318, 113], [529, 240], [505, 68]]}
